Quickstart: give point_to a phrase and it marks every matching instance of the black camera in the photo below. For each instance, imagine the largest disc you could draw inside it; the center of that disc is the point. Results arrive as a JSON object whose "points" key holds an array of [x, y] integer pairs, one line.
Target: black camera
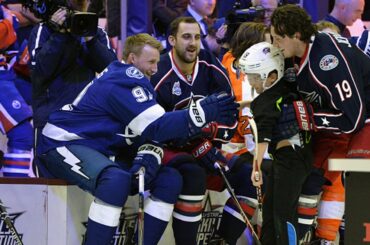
{"points": [[78, 23], [252, 14], [238, 16]]}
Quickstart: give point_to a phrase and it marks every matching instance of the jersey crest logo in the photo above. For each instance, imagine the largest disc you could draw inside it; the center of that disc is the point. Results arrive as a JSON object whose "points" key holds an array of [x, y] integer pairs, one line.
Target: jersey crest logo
{"points": [[328, 62], [176, 89], [134, 73], [16, 104]]}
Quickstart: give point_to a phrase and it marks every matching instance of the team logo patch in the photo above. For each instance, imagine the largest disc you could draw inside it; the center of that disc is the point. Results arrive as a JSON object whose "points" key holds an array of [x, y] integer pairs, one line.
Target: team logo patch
{"points": [[134, 73], [176, 89], [266, 50], [16, 104], [328, 62]]}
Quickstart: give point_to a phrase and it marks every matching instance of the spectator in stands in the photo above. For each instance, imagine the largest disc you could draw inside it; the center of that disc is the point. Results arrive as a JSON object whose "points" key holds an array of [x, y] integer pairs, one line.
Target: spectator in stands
{"points": [[201, 10], [345, 13], [15, 114], [164, 12]]}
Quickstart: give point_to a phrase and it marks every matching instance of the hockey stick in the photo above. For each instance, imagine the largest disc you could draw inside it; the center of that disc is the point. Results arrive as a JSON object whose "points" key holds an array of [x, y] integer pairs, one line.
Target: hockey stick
{"points": [[233, 196], [255, 162], [4, 216], [140, 215]]}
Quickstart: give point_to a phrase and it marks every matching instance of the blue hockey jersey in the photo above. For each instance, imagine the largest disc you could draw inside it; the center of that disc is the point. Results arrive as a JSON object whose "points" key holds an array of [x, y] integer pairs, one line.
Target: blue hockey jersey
{"points": [[175, 90], [115, 110], [334, 77]]}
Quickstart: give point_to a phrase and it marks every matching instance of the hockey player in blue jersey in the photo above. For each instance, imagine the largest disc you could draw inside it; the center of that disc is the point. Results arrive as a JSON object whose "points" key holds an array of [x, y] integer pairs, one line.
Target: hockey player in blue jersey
{"points": [[117, 112], [334, 77], [15, 114], [187, 74]]}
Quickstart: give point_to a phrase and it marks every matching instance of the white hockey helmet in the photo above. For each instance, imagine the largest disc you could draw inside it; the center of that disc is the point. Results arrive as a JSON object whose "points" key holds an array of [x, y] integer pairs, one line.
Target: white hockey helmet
{"points": [[262, 58]]}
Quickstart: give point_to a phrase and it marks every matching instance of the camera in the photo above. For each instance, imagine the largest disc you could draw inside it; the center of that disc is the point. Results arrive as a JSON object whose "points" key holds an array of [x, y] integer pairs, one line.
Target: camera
{"points": [[78, 23], [238, 16], [251, 14]]}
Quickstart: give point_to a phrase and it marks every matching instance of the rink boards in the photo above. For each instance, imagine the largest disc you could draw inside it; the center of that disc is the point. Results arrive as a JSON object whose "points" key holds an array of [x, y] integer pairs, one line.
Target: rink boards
{"points": [[48, 212]]}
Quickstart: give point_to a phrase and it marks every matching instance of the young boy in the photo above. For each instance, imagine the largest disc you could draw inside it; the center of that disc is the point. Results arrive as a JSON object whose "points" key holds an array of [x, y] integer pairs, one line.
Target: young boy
{"points": [[287, 142]]}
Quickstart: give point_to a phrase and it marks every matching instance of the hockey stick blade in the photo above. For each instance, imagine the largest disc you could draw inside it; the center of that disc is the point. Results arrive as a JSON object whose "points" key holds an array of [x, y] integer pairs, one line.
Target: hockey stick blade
{"points": [[233, 196]]}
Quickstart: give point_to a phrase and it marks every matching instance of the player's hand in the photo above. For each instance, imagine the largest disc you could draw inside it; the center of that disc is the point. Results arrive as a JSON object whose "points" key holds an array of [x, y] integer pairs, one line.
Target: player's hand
{"points": [[295, 117], [58, 18], [221, 133], [208, 155], [256, 177], [219, 107], [7, 14], [150, 157]]}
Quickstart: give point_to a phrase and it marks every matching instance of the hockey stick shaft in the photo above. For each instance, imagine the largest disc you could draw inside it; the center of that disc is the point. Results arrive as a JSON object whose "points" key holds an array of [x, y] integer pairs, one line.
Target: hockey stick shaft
{"points": [[4, 215], [255, 162], [233, 196], [140, 220], [244, 103]]}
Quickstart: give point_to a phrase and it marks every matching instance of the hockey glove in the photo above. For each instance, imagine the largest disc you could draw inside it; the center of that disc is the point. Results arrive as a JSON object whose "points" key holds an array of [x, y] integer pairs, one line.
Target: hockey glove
{"points": [[208, 155], [221, 133], [295, 117], [217, 107], [243, 126], [150, 157]]}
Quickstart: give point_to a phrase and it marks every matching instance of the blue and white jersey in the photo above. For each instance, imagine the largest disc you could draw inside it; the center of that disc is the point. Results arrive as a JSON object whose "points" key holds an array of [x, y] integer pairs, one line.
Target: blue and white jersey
{"points": [[117, 109], [334, 77]]}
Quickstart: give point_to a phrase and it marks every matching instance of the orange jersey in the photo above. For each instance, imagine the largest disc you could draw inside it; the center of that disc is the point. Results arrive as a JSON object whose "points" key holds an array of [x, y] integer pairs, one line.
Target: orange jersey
{"points": [[237, 144], [7, 34]]}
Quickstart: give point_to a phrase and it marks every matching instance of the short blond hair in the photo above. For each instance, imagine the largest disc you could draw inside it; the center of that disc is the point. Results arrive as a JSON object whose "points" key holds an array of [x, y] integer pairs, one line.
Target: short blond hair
{"points": [[134, 44], [323, 24]]}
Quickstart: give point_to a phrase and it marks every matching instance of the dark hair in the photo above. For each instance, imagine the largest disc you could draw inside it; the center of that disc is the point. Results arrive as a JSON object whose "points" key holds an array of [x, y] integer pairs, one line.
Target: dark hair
{"points": [[289, 19], [248, 34], [174, 26], [134, 44]]}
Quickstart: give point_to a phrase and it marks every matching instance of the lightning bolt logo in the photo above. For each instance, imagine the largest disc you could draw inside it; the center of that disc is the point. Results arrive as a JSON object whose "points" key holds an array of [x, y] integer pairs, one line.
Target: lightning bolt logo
{"points": [[71, 160]]}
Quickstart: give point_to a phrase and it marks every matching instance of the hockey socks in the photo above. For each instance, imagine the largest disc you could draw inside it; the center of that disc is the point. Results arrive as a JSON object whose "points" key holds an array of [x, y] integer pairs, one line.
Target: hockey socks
{"points": [[105, 210], [17, 160], [188, 208], [16, 163], [102, 223], [186, 219], [230, 235], [156, 218]]}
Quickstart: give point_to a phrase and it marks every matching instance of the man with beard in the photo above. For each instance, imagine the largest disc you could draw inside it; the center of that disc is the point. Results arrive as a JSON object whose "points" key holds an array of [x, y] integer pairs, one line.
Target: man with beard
{"points": [[186, 74]]}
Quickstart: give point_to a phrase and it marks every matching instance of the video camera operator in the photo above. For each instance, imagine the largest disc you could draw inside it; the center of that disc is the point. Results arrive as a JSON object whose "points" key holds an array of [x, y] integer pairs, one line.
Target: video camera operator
{"points": [[232, 22], [65, 53]]}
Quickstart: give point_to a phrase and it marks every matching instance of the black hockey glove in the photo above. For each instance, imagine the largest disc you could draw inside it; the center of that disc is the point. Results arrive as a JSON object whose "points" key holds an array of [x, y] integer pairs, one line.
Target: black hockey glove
{"points": [[220, 108], [150, 157]]}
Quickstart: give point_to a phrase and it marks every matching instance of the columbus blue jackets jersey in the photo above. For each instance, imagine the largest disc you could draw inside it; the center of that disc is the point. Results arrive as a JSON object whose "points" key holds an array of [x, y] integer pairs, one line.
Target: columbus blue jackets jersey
{"points": [[175, 90], [334, 77], [116, 109]]}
